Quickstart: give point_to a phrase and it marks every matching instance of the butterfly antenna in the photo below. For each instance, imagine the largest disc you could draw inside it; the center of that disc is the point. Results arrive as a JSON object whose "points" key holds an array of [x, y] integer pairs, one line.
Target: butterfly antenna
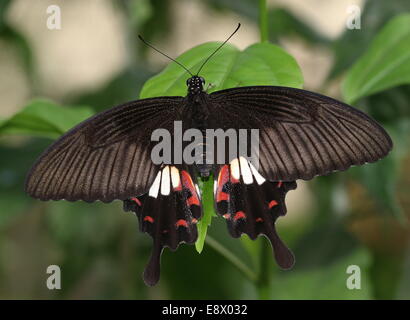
{"points": [[152, 47], [217, 49]]}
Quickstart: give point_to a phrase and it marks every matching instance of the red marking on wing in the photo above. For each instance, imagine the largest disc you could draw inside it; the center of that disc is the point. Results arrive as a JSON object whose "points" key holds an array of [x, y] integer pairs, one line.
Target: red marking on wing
{"points": [[223, 178], [226, 216], [279, 184], [234, 180], [194, 221], [259, 219], [181, 223], [193, 200], [178, 187], [187, 183], [136, 200], [239, 215], [222, 196], [272, 204], [149, 219]]}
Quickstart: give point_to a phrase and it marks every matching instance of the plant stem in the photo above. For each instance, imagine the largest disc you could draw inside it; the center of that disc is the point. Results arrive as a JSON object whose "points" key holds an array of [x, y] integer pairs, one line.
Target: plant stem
{"points": [[242, 267], [263, 21], [263, 280]]}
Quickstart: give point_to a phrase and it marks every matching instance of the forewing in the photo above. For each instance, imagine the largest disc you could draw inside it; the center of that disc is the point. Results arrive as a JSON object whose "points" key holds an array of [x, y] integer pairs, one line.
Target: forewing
{"points": [[106, 157], [302, 134]]}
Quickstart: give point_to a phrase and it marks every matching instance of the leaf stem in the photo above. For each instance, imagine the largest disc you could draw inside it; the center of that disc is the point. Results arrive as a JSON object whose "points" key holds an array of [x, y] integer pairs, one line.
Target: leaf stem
{"points": [[263, 21], [242, 267], [263, 281]]}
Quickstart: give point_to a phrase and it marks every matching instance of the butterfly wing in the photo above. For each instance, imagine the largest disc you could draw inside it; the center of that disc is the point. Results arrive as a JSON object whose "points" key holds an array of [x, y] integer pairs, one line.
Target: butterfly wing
{"points": [[251, 204], [106, 157], [302, 134], [168, 213]]}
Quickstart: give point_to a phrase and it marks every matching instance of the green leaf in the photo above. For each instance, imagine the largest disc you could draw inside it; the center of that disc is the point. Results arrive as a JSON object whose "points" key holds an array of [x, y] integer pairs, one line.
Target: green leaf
{"points": [[386, 64], [259, 64], [172, 80], [45, 119], [208, 211], [264, 64]]}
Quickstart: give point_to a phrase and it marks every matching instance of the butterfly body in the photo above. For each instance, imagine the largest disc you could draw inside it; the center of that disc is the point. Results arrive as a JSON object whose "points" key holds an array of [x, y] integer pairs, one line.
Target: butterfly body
{"points": [[195, 86], [197, 117]]}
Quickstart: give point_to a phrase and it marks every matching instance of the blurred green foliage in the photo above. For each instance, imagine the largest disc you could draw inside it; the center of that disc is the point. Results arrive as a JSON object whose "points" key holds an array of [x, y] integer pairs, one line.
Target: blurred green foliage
{"points": [[386, 63], [359, 217], [45, 119]]}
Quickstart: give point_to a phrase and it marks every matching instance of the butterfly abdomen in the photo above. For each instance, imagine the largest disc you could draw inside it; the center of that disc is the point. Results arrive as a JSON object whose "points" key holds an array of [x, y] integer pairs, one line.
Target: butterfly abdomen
{"points": [[198, 116]]}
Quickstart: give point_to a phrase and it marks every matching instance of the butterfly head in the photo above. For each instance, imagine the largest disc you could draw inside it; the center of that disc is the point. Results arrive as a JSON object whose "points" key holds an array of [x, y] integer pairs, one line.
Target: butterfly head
{"points": [[195, 85]]}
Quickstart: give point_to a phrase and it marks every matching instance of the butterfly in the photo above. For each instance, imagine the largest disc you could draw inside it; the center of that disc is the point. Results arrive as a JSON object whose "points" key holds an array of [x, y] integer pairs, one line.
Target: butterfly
{"points": [[302, 134]]}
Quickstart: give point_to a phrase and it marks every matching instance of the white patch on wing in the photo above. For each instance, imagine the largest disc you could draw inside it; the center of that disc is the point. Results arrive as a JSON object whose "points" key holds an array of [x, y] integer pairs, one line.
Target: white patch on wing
{"points": [[215, 186], [245, 171], [259, 179], [165, 182], [153, 191], [235, 170], [175, 178], [197, 191]]}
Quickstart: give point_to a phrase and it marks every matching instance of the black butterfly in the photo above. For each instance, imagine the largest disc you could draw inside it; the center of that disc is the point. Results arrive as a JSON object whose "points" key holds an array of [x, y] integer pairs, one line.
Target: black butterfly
{"points": [[302, 135]]}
